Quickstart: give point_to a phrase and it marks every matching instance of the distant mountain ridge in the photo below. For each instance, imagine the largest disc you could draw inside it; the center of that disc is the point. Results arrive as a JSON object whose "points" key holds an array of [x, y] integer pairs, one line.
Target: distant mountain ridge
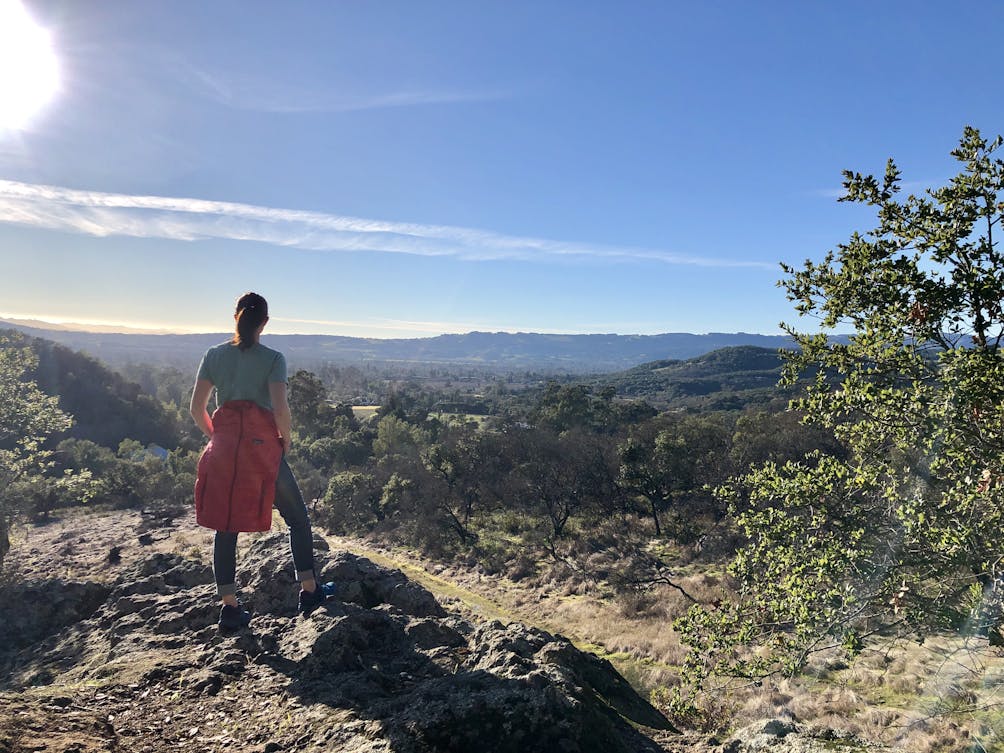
{"points": [[491, 350]]}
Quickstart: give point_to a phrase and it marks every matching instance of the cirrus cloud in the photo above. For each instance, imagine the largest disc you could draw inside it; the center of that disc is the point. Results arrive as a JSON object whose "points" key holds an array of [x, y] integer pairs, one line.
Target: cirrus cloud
{"points": [[99, 213]]}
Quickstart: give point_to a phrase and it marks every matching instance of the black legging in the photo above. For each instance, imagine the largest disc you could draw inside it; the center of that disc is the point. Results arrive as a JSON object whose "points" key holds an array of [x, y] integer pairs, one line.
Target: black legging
{"points": [[289, 503]]}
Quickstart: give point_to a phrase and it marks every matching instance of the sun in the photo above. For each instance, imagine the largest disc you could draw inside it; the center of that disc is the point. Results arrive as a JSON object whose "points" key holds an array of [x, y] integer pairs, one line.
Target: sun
{"points": [[29, 70]]}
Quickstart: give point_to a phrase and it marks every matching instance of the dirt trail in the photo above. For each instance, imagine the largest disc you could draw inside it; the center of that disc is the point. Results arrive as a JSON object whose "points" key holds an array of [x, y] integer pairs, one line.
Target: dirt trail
{"points": [[446, 590], [458, 596]]}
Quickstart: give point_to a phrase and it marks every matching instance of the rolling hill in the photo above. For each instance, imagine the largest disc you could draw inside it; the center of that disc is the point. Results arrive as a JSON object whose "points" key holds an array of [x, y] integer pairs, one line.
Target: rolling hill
{"points": [[499, 351], [724, 379]]}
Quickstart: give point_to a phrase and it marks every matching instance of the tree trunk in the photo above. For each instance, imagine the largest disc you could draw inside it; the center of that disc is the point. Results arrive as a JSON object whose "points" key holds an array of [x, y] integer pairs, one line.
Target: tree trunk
{"points": [[4, 538]]}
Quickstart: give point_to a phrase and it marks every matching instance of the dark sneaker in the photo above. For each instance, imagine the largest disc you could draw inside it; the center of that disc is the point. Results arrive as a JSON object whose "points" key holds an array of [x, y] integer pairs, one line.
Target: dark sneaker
{"points": [[233, 619], [311, 600]]}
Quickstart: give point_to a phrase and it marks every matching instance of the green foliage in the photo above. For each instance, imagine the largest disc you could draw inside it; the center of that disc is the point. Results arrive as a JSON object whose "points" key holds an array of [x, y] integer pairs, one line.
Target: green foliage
{"points": [[407, 402], [397, 437], [563, 407], [27, 418], [763, 436], [38, 496], [556, 478], [670, 463], [726, 379], [903, 529], [340, 451], [466, 465], [131, 477], [172, 388], [577, 406], [353, 502], [105, 407], [313, 415], [83, 454]]}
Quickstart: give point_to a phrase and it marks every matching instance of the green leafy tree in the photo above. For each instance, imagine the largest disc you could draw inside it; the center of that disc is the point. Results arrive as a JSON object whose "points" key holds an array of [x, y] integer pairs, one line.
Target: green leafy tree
{"points": [[38, 496], [577, 406], [344, 450], [83, 454], [308, 404], [398, 438], [904, 532], [27, 418], [407, 402], [470, 468], [761, 436], [353, 502], [670, 464], [557, 478]]}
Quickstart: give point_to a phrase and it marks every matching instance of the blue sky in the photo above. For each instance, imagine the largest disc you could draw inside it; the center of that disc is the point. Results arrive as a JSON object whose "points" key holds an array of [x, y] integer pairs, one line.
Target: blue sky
{"points": [[403, 169]]}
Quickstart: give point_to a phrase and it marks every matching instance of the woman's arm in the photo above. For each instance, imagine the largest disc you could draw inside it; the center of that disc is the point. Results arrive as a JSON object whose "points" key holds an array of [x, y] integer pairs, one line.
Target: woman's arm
{"points": [[280, 406], [200, 400]]}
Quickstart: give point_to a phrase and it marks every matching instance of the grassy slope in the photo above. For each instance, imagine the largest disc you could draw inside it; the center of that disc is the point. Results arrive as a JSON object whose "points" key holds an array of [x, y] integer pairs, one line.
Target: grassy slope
{"points": [[944, 695]]}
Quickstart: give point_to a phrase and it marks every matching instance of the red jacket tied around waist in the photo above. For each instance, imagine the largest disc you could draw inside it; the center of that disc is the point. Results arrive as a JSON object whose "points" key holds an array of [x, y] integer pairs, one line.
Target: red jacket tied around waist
{"points": [[235, 486]]}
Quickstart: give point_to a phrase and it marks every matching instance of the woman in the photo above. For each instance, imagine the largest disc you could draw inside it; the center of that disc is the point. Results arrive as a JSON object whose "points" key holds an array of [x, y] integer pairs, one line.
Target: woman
{"points": [[243, 369]]}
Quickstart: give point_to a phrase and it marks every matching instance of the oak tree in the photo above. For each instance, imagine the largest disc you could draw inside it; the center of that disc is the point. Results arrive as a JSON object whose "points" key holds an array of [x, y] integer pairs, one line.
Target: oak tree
{"points": [[902, 533]]}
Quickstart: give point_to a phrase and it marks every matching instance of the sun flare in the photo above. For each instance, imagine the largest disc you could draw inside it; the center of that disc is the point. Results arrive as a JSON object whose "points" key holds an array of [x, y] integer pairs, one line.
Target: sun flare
{"points": [[29, 71]]}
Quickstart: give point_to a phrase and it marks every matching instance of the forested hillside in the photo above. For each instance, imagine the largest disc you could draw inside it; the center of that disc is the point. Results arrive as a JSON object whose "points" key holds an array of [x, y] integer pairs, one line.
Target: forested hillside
{"points": [[105, 406], [539, 460], [725, 379]]}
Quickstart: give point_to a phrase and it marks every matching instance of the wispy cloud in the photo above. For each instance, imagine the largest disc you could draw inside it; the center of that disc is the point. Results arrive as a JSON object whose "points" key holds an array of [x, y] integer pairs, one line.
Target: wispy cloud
{"points": [[183, 219], [261, 94]]}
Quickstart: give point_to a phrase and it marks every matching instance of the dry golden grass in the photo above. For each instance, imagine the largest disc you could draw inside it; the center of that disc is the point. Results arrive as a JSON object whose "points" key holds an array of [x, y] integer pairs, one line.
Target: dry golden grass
{"points": [[940, 697], [364, 412], [944, 696]]}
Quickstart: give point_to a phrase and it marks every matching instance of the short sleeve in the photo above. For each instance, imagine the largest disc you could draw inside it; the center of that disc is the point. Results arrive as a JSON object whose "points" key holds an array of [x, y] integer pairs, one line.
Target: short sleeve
{"points": [[278, 371], [204, 371]]}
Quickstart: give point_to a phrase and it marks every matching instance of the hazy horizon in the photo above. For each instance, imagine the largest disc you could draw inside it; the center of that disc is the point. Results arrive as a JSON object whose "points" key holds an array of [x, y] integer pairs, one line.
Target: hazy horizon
{"points": [[113, 328]]}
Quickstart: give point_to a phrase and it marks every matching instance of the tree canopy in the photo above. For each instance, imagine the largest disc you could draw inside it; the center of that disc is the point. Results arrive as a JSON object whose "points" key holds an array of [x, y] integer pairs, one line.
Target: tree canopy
{"points": [[27, 417], [903, 531]]}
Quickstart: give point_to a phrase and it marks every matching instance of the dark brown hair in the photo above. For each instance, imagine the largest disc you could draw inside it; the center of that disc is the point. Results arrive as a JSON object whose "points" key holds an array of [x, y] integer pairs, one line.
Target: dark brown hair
{"points": [[252, 311]]}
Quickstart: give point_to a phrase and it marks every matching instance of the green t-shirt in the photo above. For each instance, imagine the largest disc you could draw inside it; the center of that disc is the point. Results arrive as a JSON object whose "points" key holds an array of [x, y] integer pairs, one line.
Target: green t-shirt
{"points": [[243, 374]]}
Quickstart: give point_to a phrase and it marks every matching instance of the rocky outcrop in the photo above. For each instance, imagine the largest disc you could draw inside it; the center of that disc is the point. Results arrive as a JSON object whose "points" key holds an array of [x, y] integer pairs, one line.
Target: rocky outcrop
{"points": [[32, 612], [382, 667]]}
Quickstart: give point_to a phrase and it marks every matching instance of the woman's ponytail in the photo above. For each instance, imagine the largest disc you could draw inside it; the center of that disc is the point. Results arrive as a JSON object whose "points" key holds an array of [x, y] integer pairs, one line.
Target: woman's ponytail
{"points": [[252, 311]]}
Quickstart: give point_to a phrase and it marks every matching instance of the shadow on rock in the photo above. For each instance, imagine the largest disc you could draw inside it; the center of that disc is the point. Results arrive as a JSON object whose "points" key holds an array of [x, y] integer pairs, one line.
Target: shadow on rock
{"points": [[156, 604], [444, 685], [35, 611], [390, 653], [271, 588], [380, 667]]}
